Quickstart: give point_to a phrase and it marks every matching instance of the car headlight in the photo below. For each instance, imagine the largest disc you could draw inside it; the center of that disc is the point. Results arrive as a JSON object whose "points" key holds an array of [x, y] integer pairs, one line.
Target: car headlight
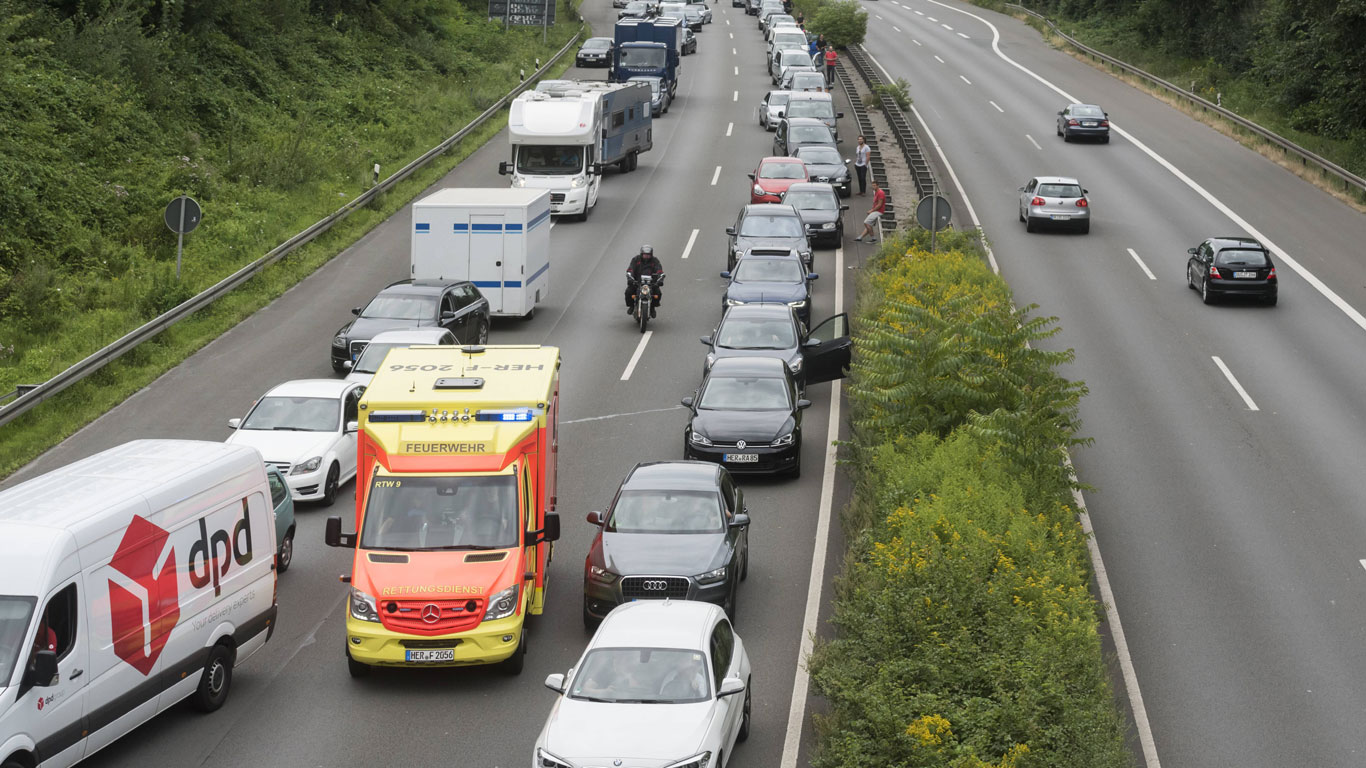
{"points": [[546, 760], [758, 190], [698, 439], [828, 225], [696, 761], [796, 365], [518, 181], [797, 304], [339, 340], [712, 576], [576, 182], [503, 604], [363, 606], [601, 574], [733, 302], [308, 466], [784, 440]]}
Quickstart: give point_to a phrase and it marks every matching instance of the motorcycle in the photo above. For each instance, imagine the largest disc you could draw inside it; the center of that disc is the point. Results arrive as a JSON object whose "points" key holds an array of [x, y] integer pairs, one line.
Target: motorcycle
{"points": [[644, 292]]}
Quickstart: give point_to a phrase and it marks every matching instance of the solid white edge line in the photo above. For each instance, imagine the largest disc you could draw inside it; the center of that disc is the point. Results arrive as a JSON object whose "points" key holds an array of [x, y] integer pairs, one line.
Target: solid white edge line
{"points": [[687, 249], [1251, 406], [997, 106], [729, 127], [796, 713], [715, 175], [635, 358], [1363, 563], [1146, 271], [965, 79], [1032, 141]]}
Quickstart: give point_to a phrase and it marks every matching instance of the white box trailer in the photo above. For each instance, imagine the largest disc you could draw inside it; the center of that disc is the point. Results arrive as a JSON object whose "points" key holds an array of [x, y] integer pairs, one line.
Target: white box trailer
{"points": [[129, 580], [498, 239]]}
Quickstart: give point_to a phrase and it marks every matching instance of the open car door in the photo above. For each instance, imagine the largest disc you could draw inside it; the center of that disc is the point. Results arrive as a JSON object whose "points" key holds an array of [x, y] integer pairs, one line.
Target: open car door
{"points": [[826, 350]]}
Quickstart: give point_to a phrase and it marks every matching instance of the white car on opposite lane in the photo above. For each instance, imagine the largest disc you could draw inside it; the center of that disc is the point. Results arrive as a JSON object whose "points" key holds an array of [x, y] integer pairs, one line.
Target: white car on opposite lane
{"points": [[662, 684], [307, 429]]}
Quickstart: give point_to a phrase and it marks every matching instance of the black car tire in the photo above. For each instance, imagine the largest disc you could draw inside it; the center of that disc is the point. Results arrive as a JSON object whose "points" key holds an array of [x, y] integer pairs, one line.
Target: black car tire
{"points": [[330, 485], [1104, 139], [590, 622], [285, 555], [796, 470], [1020, 213], [482, 337], [1190, 281], [215, 681], [744, 566], [1029, 223], [733, 604], [743, 733], [1086, 227], [1205, 295], [1066, 137], [1059, 129], [355, 668], [513, 664]]}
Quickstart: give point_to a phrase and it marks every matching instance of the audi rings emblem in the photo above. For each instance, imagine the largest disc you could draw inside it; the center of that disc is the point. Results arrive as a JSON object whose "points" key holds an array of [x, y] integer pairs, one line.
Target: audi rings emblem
{"points": [[740, 444], [431, 613], [655, 585]]}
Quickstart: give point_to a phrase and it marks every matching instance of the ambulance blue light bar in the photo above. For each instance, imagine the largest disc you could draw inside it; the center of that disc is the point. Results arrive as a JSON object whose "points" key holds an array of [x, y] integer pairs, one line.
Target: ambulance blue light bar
{"points": [[397, 416], [511, 414]]}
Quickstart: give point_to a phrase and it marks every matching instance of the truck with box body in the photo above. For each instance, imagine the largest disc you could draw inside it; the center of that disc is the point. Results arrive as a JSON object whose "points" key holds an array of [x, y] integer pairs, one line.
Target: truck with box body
{"points": [[649, 48], [455, 507], [561, 138], [498, 239], [129, 580]]}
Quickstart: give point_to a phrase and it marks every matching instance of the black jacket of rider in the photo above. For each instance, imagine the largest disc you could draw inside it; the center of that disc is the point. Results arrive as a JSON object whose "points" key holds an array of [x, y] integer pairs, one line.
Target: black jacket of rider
{"points": [[642, 264]]}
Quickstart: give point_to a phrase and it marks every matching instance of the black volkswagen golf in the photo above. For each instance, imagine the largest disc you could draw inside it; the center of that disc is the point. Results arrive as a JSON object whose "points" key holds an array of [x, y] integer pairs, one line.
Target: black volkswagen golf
{"points": [[747, 417], [675, 529]]}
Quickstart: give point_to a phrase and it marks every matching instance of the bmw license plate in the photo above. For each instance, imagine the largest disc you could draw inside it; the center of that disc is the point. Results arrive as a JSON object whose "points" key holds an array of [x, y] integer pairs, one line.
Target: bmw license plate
{"points": [[1245, 274], [440, 654], [740, 458], [1061, 218]]}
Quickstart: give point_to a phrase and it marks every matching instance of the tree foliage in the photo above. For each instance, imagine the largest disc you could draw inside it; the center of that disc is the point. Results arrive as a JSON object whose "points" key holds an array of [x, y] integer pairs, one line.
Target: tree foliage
{"points": [[843, 22]]}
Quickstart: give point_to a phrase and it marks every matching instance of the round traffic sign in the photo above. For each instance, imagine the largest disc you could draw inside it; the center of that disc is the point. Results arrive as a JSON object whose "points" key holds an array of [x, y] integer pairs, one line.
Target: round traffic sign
{"points": [[183, 215], [933, 212]]}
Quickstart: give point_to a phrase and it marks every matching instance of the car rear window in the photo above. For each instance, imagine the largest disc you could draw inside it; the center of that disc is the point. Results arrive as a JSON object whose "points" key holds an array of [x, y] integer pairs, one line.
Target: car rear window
{"points": [[1240, 257], [1059, 190], [1085, 110]]}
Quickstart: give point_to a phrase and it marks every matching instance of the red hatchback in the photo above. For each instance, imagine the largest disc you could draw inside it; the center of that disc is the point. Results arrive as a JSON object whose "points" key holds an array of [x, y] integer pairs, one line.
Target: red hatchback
{"points": [[773, 176]]}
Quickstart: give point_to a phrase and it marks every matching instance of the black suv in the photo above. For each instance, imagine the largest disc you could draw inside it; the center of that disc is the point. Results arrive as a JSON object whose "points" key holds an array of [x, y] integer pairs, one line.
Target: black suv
{"points": [[675, 529], [1232, 266], [455, 305]]}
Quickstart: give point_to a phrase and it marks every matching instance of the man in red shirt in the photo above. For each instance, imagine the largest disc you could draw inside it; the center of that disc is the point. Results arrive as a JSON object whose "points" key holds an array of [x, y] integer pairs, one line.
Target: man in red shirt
{"points": [[874, 214], [830, 60]]}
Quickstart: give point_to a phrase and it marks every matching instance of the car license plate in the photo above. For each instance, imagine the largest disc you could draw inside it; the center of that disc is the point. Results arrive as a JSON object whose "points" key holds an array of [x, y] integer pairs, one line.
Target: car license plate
{"points": [[439, 654], [1244, 274], [740, 458], [1061, 218], [1089, 123]]}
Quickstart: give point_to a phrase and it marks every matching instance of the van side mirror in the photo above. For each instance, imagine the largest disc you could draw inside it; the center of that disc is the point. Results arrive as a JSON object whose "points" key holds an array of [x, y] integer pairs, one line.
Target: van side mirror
{"points": [[551, 531], [333, 536], [43, 673], [595, 169], [235, 423], [595, 517], [504, 168]]}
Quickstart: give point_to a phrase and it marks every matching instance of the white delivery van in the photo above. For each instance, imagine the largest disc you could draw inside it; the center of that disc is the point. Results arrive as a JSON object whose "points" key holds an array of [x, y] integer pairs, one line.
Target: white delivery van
{"points": [[129, 580], [498, 239]]}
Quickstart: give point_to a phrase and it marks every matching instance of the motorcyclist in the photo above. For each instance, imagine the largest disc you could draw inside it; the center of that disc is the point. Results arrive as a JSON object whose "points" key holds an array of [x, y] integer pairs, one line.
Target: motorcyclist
{"points": [[644, 263]]}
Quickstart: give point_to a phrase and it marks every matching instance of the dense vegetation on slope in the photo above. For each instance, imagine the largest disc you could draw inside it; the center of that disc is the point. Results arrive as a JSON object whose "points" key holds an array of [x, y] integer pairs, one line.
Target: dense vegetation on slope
{"points": [[270, 113]]}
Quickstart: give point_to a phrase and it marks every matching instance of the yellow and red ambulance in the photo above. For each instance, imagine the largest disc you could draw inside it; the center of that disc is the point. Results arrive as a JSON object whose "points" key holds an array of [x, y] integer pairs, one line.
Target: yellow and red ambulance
{"points": [[455, 506]]}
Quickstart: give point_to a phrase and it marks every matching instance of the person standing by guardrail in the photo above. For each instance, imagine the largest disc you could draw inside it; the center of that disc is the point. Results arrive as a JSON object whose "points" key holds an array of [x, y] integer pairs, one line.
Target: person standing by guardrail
{"points": [[874, 214], [861, 154], [831, 60]]}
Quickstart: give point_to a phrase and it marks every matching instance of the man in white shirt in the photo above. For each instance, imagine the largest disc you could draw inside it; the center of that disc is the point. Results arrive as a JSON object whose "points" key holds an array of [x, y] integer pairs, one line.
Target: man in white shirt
{"points": [[861, 154]]}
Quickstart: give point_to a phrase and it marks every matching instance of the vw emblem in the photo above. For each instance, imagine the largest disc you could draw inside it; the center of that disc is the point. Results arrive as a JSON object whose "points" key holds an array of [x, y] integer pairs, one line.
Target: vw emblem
{"points": [[656, 585], [431, 613], [616, 762], [740, 444]]}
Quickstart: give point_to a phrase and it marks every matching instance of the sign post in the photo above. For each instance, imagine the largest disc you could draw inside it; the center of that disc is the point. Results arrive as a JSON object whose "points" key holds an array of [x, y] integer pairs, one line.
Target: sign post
{"points": [[182, 216], [933, 213]]}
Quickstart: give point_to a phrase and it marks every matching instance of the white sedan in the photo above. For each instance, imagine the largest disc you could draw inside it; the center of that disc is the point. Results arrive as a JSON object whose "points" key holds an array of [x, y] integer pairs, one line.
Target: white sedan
{"points": [[662, 684], [307, 429]]}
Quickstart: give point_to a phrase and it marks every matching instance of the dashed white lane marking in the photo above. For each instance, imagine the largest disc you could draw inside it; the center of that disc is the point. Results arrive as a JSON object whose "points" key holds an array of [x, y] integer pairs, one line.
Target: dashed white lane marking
{"points": [[635, 358], [918, 13], [936, 58], [735, 96], [931, 18], [733, 52], [969, 82], [917, 42], [1251, 406], [879, 18], [619, 415], [729, 127], [687, 249], [997, 106], [965, 37], [1032, 141], [898, 29], [946, 26], [1146, 271], [732, 35], [716, 175]]}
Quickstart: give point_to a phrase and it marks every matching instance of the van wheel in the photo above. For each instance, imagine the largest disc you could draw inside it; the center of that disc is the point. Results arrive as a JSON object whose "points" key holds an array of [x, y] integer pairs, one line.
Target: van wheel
{"points": [[514, 663], [330, 486], [356, 668], [286, 554], [215, 682]]}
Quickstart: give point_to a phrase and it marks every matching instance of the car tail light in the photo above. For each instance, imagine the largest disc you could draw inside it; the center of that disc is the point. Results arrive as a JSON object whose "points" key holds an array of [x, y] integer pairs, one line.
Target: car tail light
{"points": [[1074, 121], [1214, 272], [1082, 203], [1104, 123], [1272, 274], [1036, 201]]}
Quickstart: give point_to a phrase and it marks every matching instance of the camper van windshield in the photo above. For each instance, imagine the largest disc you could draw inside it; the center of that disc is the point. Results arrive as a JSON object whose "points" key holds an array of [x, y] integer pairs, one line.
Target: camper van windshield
{"points": [[450, 512], [15, 613], [642, 58], [549, 158]]}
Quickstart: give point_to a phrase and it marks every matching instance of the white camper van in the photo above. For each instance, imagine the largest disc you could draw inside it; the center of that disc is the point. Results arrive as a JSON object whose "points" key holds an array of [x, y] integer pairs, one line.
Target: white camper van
{"points": [[498, 239], [129, 580]]}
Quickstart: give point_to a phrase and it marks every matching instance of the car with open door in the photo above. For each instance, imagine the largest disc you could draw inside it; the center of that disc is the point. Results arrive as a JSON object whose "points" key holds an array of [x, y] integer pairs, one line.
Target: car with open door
{"points": [[773, 330]]}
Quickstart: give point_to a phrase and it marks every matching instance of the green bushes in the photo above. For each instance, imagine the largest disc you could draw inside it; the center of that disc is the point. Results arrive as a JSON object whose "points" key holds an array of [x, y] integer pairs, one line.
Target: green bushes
{"points": [[966, 632], [843, 22]]}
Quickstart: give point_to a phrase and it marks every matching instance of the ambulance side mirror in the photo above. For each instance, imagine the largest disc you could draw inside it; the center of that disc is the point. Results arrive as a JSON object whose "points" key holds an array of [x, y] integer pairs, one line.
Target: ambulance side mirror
{"points": [[551, 531], [43, 673], [334, 537]]}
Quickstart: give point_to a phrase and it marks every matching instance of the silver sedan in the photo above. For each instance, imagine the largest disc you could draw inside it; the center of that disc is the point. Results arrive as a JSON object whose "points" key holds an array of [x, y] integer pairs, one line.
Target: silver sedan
{"points": [[1055, 201]]}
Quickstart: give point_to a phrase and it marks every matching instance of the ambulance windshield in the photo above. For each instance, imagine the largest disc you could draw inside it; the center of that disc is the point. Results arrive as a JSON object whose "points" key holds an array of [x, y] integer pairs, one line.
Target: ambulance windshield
{"points": [[15, 613], [450, 512]]}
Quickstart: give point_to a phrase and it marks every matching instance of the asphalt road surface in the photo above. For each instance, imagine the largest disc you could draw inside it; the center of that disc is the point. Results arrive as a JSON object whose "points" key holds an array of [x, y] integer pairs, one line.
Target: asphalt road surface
{"points": [[1230, 522], [294, 703]]}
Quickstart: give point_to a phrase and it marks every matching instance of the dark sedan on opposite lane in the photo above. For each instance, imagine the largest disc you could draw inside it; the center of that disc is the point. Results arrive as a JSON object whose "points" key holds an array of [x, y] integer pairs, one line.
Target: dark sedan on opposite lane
{"points": [[675, 529], [747, 417], [1084, 121]]}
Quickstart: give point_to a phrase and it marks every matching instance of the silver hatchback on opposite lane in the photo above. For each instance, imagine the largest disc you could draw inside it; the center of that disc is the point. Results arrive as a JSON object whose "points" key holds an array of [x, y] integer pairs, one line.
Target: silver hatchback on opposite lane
{"points": [[1055, 201]]}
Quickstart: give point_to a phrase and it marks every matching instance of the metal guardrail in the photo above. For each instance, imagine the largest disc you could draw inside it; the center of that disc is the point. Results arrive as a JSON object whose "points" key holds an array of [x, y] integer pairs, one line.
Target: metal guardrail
{"points": [[921, 172], [37, 394], [876, 167], [1348, 179]]}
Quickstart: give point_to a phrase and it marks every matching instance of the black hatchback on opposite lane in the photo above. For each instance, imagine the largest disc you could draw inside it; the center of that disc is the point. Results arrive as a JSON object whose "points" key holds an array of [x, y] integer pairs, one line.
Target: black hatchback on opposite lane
{"points": [[675, 529], [1232, 266]]}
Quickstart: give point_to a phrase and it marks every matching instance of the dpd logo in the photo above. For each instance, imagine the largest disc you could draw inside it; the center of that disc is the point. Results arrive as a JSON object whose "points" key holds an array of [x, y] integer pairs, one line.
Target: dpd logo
{"points": [[137, 642]]}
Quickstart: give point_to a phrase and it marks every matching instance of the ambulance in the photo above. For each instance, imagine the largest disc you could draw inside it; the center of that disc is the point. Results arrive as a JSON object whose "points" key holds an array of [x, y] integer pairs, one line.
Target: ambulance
{"points": [[455, 507]]}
